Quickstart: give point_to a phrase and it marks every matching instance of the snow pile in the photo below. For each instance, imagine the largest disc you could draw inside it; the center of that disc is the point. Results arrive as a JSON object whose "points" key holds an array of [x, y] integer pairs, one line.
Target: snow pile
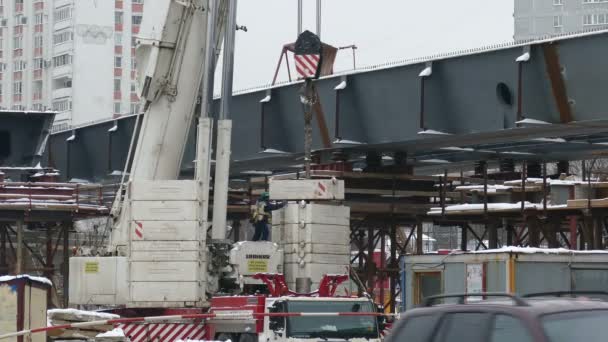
{"points": [[532, 250], [479, 188], [81, 314], [117, 332], [494, 206], [32, 278]]}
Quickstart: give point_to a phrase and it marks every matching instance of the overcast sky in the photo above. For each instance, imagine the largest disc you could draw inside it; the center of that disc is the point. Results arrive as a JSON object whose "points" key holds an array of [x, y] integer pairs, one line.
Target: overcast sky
{"points": [[383, 30]]}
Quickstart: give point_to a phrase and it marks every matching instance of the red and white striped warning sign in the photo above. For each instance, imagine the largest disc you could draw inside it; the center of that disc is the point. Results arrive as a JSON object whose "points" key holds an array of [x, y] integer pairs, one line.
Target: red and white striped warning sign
{"points": [[307, 65], [321, 189], [163, 332], [139, 229]]}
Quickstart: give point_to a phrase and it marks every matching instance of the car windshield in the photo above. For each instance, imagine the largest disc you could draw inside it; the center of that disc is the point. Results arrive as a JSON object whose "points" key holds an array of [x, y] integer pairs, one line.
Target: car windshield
{"points": [[588, 326], [332, 326]]}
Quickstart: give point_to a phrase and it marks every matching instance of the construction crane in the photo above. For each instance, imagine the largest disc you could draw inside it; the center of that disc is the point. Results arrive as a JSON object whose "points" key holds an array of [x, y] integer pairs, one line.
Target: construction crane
{"points": [[159, 259]]}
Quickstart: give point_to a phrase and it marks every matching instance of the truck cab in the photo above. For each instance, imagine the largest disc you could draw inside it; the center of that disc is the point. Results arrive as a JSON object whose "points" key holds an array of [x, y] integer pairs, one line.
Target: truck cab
{"points": [[313, 328]]}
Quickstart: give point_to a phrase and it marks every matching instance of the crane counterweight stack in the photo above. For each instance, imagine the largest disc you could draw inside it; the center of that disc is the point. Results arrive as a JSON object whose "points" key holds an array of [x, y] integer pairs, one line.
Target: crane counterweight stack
{"points": [[159, 237]]}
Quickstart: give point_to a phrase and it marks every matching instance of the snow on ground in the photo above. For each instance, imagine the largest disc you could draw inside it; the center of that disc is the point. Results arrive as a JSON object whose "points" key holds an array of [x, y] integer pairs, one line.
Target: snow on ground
{"points": [[38, 279], [75, 312], [117, 332], [532, 250]]}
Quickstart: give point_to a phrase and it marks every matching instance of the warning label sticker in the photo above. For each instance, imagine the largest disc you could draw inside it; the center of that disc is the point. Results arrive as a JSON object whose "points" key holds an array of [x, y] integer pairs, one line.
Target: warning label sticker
{"points": [[91, 267], [257, 266]]}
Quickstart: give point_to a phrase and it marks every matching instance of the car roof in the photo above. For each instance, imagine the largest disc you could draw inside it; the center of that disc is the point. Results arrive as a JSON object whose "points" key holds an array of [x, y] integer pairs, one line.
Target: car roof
{"points": [[536, 306]]}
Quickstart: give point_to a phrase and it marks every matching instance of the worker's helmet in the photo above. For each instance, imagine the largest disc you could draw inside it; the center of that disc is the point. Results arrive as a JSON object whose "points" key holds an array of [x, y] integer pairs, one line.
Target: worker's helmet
{"points": [[264, 196]]}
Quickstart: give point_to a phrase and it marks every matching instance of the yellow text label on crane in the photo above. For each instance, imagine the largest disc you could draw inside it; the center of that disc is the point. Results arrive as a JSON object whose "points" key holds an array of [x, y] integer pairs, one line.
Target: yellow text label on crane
{"points": [[257, 266], [91, 267]]}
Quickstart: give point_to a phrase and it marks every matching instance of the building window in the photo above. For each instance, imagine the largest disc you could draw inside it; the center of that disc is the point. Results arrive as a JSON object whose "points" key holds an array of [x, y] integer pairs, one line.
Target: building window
{"points": [[118, 39], [62, 105], [117, 85], [138, 1], [62, 37], [595, 19], [117, 107], [558, 2], [19, 65], [62, 60], [63, 13], [38, 18], [133, 64], [38, 42], [38, 63], [593, 1], [136, 19], [118, 62], [38, 107], [557, 21], [118, 17], [17, 88], [134, 108], [133, 88], [18, 42]]}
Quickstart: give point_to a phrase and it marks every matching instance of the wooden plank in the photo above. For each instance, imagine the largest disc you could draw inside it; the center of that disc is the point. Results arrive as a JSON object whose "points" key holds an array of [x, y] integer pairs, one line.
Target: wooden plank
{"points": [[583, 203]]}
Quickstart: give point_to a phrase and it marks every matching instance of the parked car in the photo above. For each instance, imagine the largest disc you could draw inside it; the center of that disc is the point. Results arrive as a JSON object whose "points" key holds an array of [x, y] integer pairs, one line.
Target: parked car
{"points": [[490, 317]]}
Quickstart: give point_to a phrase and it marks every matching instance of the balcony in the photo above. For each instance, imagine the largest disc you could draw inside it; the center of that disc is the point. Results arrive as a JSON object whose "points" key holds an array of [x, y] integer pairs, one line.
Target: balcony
{"points": [[118, 27], [135, 29], [61, 71], [118, 4], [117, 72], [38, 28], [17, 97], [37, 52], [62, 92], [37, 96], [38, 74], [18, 8], [17, 75], [118, 50], [38, 5], [134, 97], [117, 95], [17, 52], [61, 25]]}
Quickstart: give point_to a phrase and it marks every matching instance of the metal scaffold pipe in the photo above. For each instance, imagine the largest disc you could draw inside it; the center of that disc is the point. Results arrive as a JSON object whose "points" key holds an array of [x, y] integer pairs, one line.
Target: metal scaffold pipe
{"points": [[224, 131]]}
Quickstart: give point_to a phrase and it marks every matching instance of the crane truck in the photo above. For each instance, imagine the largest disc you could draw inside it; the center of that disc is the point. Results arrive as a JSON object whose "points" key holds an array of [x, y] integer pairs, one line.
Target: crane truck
{"points": [[159, 260]]}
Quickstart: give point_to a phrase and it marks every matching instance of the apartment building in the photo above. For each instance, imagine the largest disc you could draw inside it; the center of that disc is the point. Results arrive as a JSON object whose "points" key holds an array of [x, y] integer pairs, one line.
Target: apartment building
{"points": [[72, 56], [537, 18]]}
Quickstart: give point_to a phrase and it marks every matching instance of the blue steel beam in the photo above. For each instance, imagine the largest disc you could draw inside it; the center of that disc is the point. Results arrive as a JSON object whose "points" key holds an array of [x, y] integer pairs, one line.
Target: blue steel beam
{"points": [[471, 95]]}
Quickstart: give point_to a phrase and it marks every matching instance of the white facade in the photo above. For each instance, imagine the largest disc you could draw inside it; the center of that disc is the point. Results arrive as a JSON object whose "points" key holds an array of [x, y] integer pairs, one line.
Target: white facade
{"points": [[72, 56]]}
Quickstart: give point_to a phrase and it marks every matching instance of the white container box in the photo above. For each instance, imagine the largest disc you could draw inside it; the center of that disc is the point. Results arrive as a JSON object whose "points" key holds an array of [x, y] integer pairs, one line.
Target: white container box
{"points": [[316, 258], [306, 189], [99, 280], [155, 293], [311, 233], [328, 214], [316, 248], [167, 230], [159, 271], [164, 211], [165, 190]]}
